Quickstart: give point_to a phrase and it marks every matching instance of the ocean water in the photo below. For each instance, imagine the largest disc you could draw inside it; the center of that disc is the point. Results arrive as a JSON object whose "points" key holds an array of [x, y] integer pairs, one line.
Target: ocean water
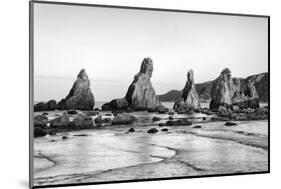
{"points": [[111, 153]]}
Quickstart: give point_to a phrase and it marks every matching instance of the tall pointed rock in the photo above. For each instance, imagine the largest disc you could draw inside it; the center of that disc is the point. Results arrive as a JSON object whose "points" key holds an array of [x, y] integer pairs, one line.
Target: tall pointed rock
{"points": [[141, 94], [189, 99], [80, 96], [221, 92]]}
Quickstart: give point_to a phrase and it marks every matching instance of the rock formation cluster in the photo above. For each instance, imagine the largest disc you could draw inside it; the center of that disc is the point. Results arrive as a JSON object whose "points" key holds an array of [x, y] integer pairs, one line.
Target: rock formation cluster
{"points": [[228, 92]]}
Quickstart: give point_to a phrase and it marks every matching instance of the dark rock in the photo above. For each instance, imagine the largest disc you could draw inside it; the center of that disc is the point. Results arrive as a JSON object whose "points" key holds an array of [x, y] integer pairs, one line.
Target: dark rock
{"points": [[161, 109], [230, 123], [40, 121], [82, 121], [151, 110], [170, 117], [64, 137], [52, 105], [156, 119], [116, 104], [123, 119], [153, 130], [179, 122], [116, 112], [131, 130], [108, 114], [98, 119], [171, 113], [81, 135], [141, 94], [197, 127], [92, 113], [72, 112], [62, 121], [52, 133], [39, 132], [41, 106], [204, 118], [44, 113], [97, 109], [80, 96], [164, 129], [162, 124]]}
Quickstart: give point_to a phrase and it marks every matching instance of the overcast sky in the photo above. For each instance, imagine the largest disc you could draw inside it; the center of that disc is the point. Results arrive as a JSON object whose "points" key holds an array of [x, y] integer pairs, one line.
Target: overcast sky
{"points": [[111, 43]]}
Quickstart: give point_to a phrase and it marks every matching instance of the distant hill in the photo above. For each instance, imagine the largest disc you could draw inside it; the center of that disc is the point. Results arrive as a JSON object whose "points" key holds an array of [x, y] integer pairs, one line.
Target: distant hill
{"points": [[204, 89]]}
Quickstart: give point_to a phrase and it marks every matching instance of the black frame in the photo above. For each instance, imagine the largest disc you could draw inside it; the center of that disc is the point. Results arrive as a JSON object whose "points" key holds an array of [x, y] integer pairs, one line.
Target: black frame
{"points": [[31, 89]]}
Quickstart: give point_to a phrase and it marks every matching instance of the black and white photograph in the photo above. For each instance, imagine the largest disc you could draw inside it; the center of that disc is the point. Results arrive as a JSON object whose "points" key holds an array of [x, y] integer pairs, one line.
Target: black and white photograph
{"points": [[125, 94]]}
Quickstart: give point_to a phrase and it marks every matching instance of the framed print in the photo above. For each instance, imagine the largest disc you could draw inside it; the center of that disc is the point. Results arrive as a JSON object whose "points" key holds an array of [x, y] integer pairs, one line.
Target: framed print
{"points": [[126, 94]]}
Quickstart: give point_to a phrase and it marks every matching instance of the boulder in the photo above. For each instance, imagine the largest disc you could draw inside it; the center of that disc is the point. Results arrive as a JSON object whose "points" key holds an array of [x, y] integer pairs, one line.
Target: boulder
{"points": [[230, 123], [98, 119], [72, 112], [156, 119], [123, 119], [161, 109], [153, 130], [62, 121], [92, 113], [39, 132], [131, 130], [80, 96], [115, 104], [40, 121], [141, 94], [52, 105], [82, 121], [164, 129], [41, 106], [179, 122]]}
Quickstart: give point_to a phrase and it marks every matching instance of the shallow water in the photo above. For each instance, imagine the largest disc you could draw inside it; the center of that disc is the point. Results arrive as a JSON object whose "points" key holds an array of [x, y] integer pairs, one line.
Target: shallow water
{"points": [[112, 153]]}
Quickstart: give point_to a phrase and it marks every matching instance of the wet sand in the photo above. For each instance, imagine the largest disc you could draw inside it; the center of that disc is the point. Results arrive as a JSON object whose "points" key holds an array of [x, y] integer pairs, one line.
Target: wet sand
{"points": [[112, 154]]}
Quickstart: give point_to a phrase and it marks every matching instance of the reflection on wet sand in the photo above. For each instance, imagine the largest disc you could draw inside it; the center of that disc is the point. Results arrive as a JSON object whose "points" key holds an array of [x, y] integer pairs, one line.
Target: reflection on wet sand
{"points": [[114, 154]]}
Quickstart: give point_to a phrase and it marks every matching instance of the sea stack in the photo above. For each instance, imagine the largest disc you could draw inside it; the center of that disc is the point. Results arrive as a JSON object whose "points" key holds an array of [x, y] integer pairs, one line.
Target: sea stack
{"points": [[141, 94], [189, 99], [221, 92], [228, 92], [80, 96]]}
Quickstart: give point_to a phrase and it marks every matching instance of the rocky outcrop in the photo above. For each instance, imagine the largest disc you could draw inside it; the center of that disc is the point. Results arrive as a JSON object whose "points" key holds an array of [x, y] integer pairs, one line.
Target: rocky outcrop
{"points": [[123, 119], [40, 121], [245, 95], [221, 92], [80, 96], [62, 121], [189, 99], [204, 89], [49, 106], [82, 121], [230, 92], [116, 104], [141, 94]]}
